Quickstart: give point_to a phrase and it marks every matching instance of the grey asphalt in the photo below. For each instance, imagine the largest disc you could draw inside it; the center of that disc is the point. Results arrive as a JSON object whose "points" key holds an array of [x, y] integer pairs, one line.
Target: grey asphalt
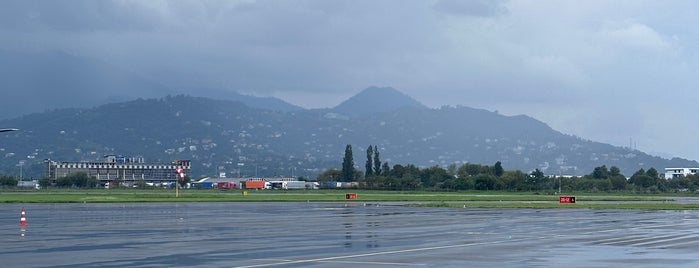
{"points": [[341, 235]]}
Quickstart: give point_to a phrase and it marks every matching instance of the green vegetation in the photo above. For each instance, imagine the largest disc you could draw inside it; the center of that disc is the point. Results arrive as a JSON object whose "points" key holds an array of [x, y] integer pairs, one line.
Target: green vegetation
{"points": [[465, 186], [496, 178], [470, 199], [7, 181], [78, 180], [348, 171]]}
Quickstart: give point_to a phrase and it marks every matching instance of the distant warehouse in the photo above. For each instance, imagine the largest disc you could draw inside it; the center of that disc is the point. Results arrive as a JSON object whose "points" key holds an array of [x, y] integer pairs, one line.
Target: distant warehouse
{"points": [[118, 168]]}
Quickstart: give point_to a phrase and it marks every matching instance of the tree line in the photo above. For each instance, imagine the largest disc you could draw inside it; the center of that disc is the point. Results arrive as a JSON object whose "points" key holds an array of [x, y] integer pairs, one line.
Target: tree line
{"points": [[381, 176], [76, 180], [378, 175]]}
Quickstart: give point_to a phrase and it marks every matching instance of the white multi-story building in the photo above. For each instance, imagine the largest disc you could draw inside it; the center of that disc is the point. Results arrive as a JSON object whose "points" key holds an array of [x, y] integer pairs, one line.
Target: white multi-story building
{"points": [[117, 168], [680, 172]]}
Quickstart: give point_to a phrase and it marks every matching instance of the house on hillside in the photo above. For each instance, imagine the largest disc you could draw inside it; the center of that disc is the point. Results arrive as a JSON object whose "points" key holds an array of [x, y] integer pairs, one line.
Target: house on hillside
{"points": [[671, 173]]}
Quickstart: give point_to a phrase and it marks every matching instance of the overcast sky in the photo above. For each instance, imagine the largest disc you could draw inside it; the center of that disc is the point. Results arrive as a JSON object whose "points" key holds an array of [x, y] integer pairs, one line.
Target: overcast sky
{"points": [[619, 72]]}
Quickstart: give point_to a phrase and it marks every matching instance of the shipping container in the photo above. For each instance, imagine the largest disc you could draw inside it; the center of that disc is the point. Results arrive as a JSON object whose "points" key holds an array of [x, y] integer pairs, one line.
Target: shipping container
{"points": [[207, 185], [333, 184], [295, 185], [256, 184], [226, 185]]}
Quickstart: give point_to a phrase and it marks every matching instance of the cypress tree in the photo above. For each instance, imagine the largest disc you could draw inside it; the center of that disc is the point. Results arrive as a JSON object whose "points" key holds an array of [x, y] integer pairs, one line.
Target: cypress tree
{"points": [[348, 165], [368, 166], [377, 161]]}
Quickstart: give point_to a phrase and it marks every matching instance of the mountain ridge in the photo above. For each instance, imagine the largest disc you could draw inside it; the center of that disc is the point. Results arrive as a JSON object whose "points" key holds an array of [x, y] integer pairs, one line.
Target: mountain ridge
{"points": [[218, 134]]}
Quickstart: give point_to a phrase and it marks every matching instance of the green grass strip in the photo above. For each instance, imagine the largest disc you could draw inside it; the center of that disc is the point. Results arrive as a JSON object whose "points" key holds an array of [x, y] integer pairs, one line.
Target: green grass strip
{"points": [[418, 198]]}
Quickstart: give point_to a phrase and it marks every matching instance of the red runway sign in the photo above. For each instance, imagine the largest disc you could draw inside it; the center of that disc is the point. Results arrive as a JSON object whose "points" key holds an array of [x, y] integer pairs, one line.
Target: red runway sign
{"points": [[566, 199]]}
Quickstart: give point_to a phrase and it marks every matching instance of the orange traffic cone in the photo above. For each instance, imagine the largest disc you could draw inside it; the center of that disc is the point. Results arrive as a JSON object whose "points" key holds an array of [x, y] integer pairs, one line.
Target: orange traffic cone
{"points": [[23, 218]]}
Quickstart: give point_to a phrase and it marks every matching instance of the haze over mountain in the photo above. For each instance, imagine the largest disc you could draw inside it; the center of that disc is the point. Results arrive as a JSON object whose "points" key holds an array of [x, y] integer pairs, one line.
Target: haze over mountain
{"points": [[65, 102], [269, 103], [35, 82], [218, 135]]}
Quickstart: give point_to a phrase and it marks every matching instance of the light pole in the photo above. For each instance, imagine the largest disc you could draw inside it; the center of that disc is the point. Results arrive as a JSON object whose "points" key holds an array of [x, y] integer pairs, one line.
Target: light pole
{"points": [[559, 181], [21, 165]]}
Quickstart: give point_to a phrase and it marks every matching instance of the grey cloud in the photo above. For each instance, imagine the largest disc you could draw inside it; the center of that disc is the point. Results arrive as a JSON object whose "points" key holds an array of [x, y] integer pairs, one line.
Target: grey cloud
{"points": [[475, 8], [567, 63], [76, 16]]}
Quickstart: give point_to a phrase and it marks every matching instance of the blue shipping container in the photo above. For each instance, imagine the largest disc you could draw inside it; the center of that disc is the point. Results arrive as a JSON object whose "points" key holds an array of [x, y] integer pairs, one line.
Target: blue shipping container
{"points": [[332, 184]]}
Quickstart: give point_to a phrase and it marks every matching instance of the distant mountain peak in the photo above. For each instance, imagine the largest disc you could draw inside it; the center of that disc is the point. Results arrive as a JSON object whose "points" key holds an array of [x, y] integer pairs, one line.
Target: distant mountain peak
{"points": [[223, 133], [373, 100]]}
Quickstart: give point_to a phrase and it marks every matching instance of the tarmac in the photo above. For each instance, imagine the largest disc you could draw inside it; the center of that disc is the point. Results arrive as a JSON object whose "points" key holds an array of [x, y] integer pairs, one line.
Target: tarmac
{"points": [[351, 234]]}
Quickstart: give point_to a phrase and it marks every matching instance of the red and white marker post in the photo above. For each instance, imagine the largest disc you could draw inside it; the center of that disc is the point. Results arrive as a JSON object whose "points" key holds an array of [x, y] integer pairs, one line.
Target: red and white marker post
{"points": [[23, 218], [180, 173]]}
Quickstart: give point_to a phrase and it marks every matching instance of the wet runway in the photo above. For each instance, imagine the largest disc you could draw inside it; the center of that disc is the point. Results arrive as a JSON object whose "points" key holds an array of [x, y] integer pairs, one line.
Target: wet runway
{"points": [[341, 235]]}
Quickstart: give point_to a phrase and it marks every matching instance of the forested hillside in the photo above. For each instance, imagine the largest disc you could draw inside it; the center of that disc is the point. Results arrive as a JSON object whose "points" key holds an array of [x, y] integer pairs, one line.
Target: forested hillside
{"points": [[228, 136]]}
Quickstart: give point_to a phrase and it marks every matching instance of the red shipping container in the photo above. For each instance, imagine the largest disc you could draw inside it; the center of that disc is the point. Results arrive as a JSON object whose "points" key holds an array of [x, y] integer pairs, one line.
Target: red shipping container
{"points": [[226, 185], [255, 184]]}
